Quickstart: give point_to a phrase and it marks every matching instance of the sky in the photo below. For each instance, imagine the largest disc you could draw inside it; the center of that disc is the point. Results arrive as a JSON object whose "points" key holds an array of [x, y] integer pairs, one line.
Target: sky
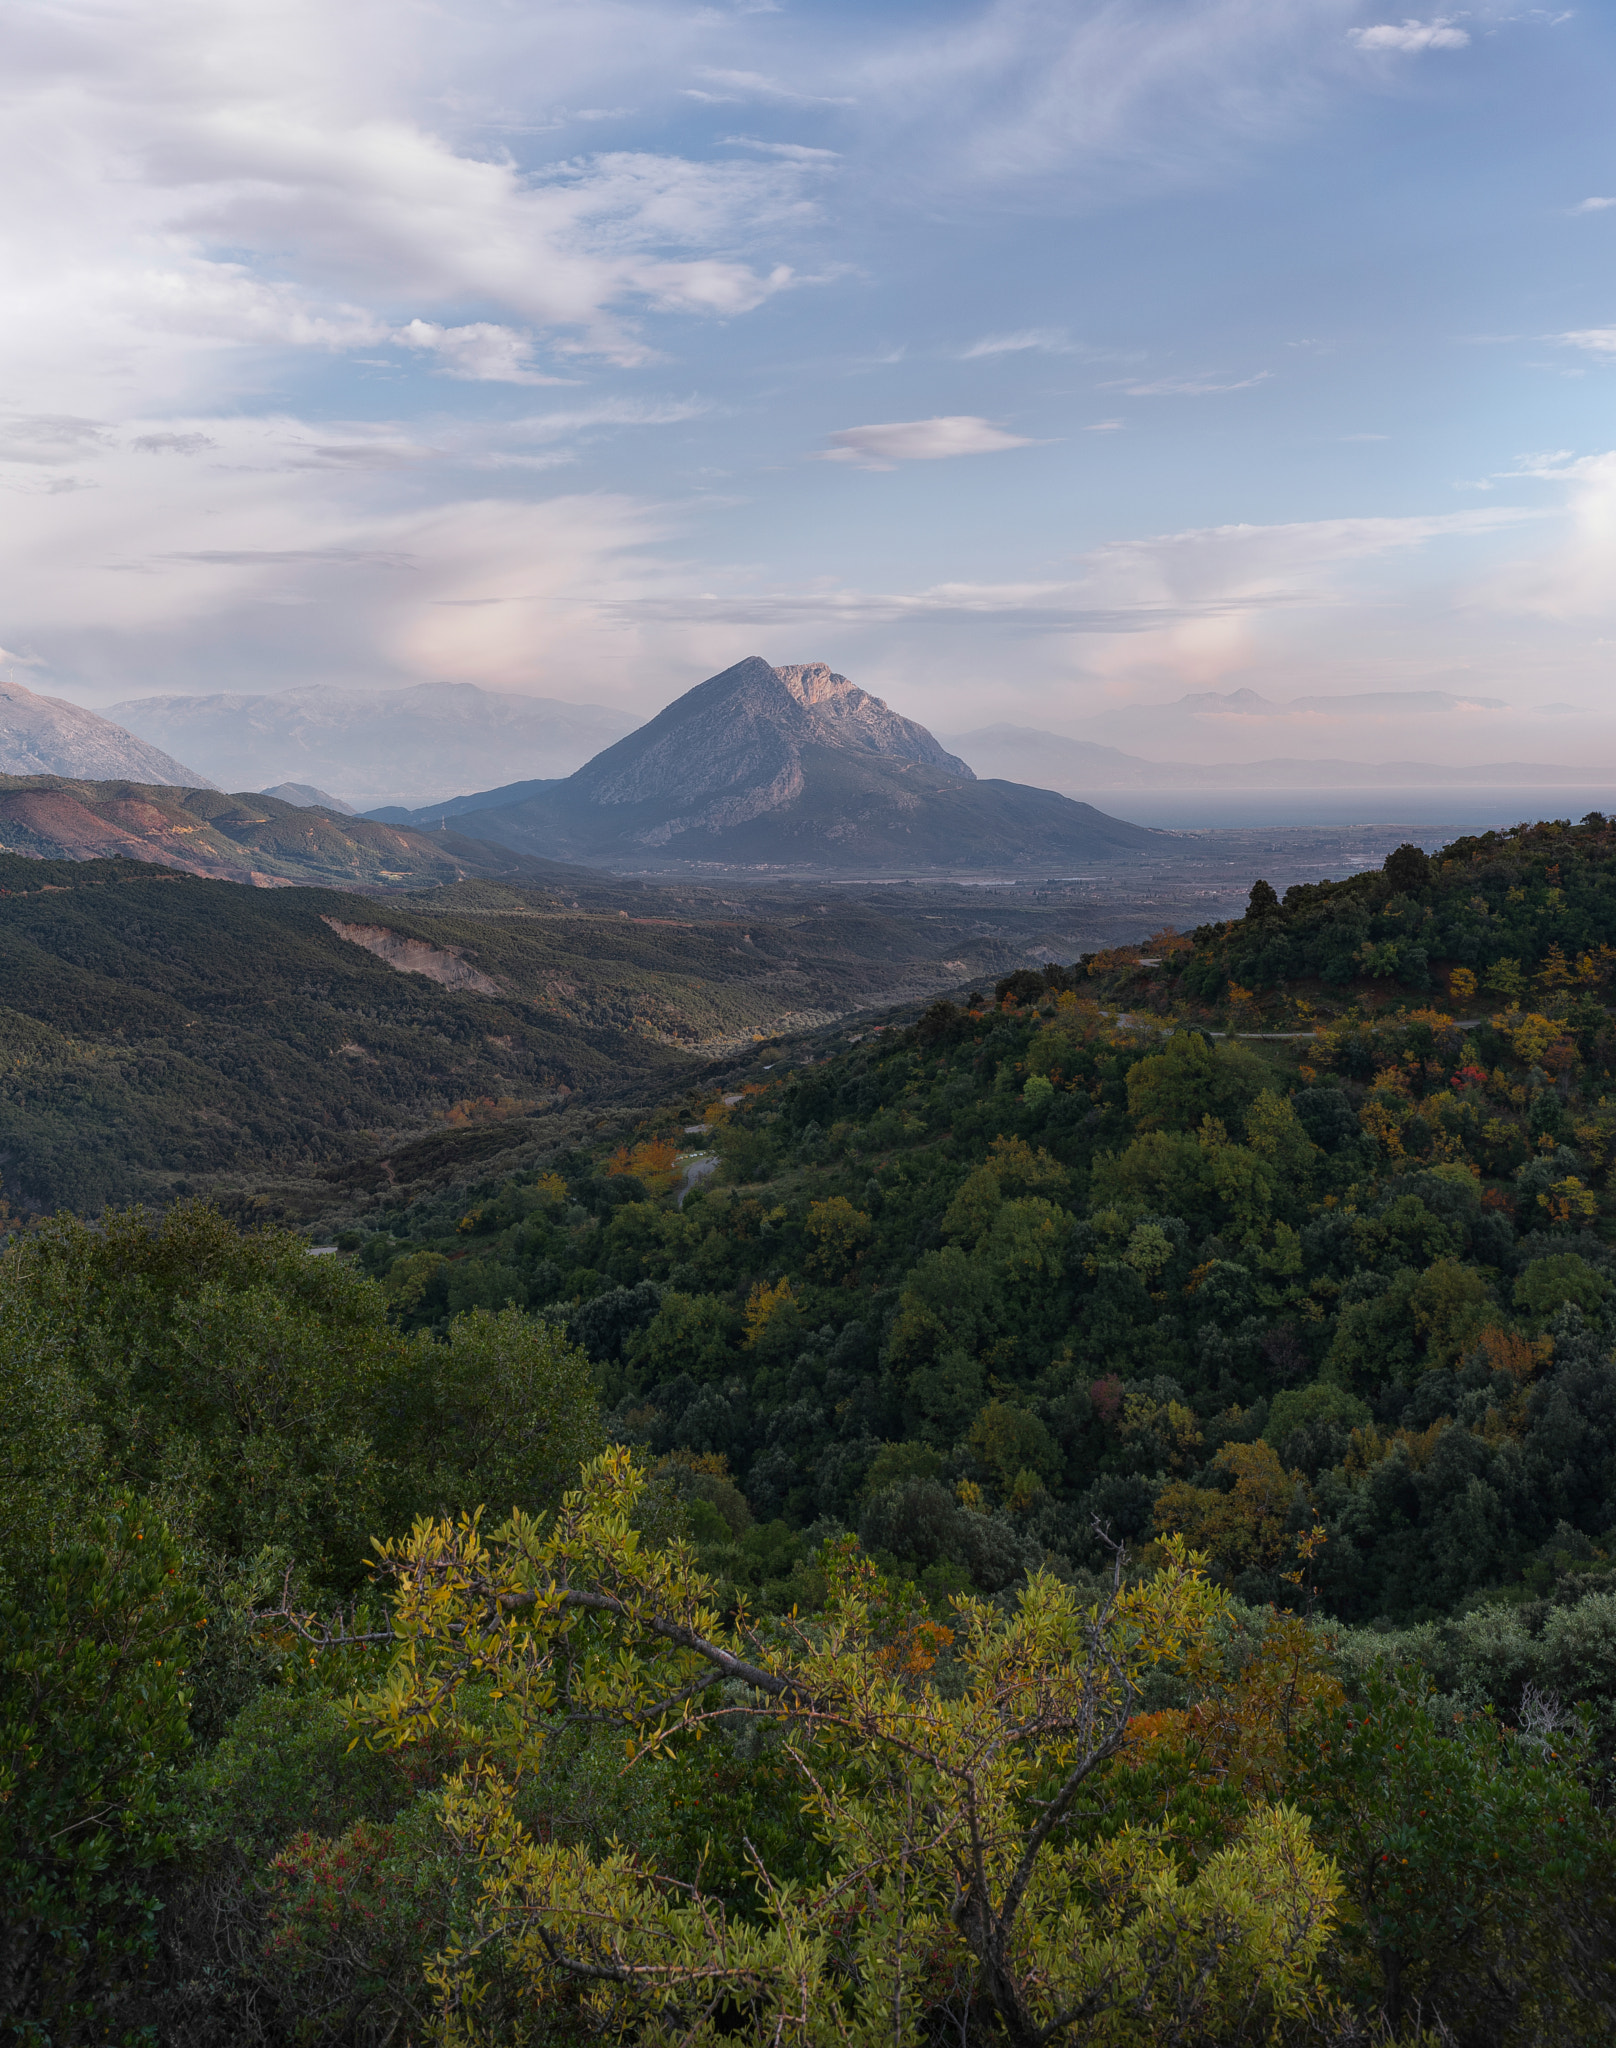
{"points": [[1036, 363]]}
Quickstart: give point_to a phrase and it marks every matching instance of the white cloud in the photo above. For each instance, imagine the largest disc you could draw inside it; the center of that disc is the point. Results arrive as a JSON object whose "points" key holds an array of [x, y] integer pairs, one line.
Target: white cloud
{"points": [[187, 189], [1098, 100], [1593, 205], [793, 152], [1438, 34], [754, 85], [480, 352], [1047, 340], [883, 446], [1189, 387], [1571, 581], [1599, 341]]}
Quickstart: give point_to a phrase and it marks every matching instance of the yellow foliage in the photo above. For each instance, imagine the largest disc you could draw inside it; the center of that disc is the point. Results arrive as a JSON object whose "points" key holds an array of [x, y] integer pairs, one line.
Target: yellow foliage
{"points": [[838, 1233], [1370, 1445], [1250, 1525], [1251, 1701], [907, 1783], [1174, 1427], [1555, 971], [645, 1160], [1568, 1201], [763, 1304], [1533, 1036]]}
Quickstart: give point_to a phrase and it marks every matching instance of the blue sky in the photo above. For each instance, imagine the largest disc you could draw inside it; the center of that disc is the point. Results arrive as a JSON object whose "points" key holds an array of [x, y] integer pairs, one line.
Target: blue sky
{"points": [[1027, 362]]}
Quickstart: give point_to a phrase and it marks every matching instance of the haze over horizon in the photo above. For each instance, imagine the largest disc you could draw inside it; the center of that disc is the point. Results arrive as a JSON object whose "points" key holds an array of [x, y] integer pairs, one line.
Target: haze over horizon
{"points": [[1029, 363]]}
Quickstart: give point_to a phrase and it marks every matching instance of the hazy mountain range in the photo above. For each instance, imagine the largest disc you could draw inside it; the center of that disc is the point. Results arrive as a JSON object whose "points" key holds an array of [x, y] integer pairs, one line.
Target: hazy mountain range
{"points": [[374, 746], [46, 736], [787, 767], [1023, 753], [1451, 727]]}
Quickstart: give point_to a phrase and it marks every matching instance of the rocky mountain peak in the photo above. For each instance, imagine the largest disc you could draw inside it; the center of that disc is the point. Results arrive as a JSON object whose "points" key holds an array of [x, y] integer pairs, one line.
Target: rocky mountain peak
{"points": [[738, 739], [49, 736], [846, 716]]}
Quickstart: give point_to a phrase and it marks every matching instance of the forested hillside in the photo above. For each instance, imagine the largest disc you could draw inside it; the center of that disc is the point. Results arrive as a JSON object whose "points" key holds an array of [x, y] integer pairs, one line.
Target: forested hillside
{"points": [[1358, 1279], [162, 1035], [1075, 1530]]}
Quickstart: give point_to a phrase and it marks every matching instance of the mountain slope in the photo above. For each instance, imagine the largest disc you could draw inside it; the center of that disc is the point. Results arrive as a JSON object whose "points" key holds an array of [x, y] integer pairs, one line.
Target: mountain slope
{"points": [[303, 796], [378, 746], [256, 839], [47, 736], [793, 767], [161, 1035]]}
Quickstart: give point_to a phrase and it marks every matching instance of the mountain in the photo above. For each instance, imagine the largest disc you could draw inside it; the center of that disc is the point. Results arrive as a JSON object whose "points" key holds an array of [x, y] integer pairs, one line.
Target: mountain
{"points": [[789, 767], [304, 796], [1017, 751], [255, 839], [380, 746], [46, 736]]}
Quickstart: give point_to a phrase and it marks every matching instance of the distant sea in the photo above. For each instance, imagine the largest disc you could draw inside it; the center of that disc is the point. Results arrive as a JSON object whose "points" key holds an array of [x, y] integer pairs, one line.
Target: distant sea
{"points": [[1430, 815]]}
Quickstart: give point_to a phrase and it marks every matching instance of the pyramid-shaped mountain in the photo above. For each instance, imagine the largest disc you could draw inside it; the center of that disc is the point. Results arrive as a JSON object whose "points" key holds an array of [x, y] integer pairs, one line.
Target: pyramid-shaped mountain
{"points": [[792, 767]]}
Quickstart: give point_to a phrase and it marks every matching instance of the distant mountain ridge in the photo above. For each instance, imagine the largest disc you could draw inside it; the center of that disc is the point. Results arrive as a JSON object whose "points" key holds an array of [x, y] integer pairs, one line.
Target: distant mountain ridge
{"points": [[48, 736], [307, 798], [787, 767], [380, 747], [1060, 762], [252, 839]]}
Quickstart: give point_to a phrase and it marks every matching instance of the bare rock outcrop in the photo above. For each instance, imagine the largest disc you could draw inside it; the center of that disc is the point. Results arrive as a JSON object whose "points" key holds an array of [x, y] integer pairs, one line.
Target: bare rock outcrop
{"points": [[443, 965]]}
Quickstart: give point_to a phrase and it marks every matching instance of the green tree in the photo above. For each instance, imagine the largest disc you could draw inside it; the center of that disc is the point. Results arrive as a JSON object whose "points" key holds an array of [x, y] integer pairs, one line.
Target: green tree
{"points": [[1461, 1845], [957, 1877], [1190, 1079], [97, 1632]]}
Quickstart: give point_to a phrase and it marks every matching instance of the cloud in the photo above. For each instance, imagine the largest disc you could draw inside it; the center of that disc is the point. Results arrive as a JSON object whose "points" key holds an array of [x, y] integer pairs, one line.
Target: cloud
{"points": [[1571, 581], [480, 352], [173, 444], [754, 85], [1593, 205], [882, 446], [1204, 574], [1048, 340], [1188, 387], [1408, 36], [1599, 341], [181, 199], [1088, 103], [793, 152], [49, 438]]}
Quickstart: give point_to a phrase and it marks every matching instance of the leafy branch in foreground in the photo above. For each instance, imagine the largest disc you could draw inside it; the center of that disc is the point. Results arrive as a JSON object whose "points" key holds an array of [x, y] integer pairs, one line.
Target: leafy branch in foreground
{"points": [[941, 1767]]}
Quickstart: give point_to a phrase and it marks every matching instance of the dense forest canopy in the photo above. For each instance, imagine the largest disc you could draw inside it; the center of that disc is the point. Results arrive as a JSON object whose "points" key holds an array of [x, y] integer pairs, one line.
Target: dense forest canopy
{"points": [[866, 1683]]}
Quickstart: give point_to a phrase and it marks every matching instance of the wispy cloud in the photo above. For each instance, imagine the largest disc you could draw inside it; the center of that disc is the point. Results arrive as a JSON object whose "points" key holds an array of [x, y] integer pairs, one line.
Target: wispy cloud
{"points": [[1189, 387], [1599, 341], [792, 152], [1052, 341], [1410, 36], [885, 445], [755, 85], [1593, 205]]}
